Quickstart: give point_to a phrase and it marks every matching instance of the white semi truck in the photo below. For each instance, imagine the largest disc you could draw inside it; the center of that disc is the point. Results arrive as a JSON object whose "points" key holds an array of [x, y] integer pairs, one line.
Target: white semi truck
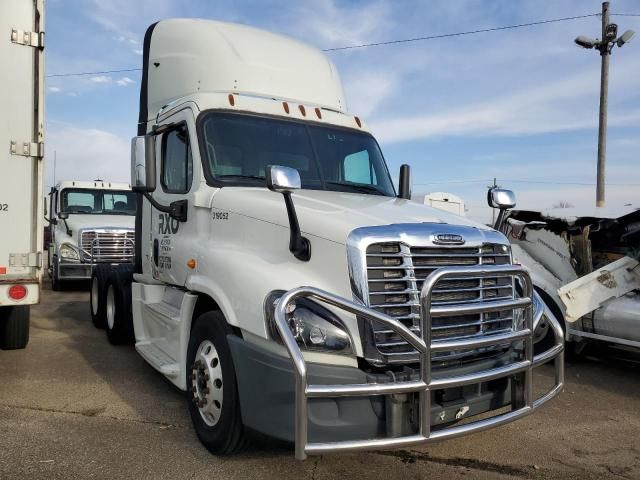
{"points": [[92, 222], [21, 165], [282, 280]]}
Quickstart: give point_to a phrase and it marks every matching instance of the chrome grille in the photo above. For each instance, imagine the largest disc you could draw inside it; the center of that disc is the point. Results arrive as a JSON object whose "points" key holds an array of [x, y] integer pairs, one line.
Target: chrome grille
{"points": [[114, 246], [395, 274]]}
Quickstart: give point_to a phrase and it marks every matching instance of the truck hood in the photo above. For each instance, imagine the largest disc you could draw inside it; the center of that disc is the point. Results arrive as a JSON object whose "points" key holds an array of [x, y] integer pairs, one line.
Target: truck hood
{"points": [[331, 215]]}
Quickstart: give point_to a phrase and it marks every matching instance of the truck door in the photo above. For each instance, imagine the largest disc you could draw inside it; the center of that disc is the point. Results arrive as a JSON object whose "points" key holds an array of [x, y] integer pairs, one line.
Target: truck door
{"points": [[169, 237]]}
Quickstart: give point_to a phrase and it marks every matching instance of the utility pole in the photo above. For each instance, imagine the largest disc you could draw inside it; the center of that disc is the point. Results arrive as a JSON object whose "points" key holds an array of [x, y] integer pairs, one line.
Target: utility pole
{"points": [[602, 118], [604, 46]]}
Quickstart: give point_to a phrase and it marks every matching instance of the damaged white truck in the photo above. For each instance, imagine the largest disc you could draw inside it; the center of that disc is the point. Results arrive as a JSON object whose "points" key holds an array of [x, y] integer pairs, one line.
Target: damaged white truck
{"points": [[584, 263], [282, 281]]}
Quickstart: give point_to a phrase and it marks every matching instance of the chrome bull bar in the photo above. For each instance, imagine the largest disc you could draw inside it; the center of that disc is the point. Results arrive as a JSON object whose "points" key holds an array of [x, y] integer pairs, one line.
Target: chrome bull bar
{"points": [[424, 346]]}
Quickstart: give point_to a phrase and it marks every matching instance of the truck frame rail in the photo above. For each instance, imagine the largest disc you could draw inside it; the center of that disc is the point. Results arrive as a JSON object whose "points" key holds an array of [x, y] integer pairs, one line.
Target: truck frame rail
{"points": [[425, 345]]}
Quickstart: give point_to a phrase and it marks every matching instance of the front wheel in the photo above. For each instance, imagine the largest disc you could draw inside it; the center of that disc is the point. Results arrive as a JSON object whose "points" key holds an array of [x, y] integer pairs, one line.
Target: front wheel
{"points": [[56, 284], [214, 405], [97, 296]]}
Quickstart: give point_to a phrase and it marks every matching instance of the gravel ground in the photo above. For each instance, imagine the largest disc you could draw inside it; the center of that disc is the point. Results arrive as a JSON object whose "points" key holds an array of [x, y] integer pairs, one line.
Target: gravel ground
{"points": [[73, 406]]}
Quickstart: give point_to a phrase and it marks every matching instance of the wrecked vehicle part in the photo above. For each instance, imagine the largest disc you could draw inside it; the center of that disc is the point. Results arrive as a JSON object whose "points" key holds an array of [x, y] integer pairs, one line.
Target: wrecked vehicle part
{"points": [[582, 261]]}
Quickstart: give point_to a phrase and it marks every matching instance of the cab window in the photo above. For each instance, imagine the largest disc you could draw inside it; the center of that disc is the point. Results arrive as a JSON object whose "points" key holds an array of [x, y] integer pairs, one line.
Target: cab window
{"points": [[177, 164]]}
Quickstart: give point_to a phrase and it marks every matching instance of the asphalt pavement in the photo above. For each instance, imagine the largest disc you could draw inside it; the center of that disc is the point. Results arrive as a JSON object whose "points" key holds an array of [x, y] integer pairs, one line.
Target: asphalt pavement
{"points": [[74, 406]]}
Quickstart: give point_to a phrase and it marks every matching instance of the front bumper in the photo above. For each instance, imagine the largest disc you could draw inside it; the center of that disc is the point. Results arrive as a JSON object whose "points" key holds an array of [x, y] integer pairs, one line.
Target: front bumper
{"points": [[267, 398], [519, 372], [74, 270]]}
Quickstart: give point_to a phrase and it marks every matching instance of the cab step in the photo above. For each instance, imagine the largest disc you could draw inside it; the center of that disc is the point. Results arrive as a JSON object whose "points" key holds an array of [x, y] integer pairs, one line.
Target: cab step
{"points": [[158, 359]]}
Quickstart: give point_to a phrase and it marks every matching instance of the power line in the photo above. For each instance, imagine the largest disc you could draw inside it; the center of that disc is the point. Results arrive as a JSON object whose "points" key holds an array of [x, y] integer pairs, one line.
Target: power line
{"points": [[569, 183], [77, 74], [459, 34], [512, 180], [377, 44], [453, 181], [625, 14]]}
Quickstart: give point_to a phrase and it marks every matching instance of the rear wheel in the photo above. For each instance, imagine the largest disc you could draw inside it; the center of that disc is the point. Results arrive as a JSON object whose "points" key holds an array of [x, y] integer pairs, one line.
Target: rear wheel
{"points": [[14, 327], [215, 405], [118, 316], [97, 295]]}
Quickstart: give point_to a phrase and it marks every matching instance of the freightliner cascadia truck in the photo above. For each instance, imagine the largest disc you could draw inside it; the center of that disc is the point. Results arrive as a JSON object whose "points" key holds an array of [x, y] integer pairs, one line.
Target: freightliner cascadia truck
{"points": [[283, 281], [21, 165]]}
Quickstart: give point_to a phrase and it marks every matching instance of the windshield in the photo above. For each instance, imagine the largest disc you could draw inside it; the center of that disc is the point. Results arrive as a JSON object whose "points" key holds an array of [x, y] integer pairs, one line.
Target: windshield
{"points": [[101, 202], [240, 147]]}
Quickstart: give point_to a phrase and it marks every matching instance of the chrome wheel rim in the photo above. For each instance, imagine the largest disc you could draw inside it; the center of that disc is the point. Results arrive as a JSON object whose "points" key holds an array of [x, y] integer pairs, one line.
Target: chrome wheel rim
{"points": [[111, 308], [94, 296], [206, 383]]}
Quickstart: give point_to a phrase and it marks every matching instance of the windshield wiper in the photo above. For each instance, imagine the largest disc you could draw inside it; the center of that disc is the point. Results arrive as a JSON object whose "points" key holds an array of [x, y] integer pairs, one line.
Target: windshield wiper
{"points": [[360, 187], [254, 177]]}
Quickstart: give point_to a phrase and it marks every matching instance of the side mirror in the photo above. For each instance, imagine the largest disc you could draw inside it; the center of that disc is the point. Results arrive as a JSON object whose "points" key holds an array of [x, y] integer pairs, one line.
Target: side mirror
{"points": [[283, 179], [143, 163], [501, 198], [63, 215], [404, 183]]}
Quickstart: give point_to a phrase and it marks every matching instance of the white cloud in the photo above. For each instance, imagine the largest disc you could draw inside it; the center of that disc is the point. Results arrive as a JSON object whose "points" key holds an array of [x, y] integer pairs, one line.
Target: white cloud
{"points": [[85, 154], [557, 106], [101, 79], [54, 89], [124, 81], [137, 51], [72, 94]]}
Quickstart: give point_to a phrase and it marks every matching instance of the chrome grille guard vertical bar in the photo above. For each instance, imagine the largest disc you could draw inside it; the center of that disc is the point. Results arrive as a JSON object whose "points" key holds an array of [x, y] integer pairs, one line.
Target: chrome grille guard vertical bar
{"points": [[424, 346]]}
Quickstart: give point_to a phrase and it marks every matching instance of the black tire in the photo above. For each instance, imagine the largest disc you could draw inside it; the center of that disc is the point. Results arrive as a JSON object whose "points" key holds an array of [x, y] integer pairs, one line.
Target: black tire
{"points": [[56, 283], [98, 294], [118, 316], [227, 435], [14, 327]]}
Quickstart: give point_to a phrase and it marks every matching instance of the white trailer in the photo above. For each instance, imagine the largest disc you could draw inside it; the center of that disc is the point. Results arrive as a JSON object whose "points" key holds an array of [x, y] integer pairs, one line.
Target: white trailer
{"points": [[282, 280], [21, 165], [444, 201]]}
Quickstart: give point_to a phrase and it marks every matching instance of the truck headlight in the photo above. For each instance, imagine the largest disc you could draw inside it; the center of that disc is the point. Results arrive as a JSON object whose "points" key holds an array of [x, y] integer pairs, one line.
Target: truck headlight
{"points": [[69, 252], [314, 327]]}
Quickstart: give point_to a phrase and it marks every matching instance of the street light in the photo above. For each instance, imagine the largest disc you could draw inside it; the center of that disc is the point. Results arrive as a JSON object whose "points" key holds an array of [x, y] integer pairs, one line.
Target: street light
{"points": [[605, 46]]}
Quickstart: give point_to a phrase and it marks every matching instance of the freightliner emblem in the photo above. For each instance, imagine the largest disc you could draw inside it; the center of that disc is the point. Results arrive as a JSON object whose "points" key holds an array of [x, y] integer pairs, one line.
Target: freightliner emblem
{"points": [[448, 239]]}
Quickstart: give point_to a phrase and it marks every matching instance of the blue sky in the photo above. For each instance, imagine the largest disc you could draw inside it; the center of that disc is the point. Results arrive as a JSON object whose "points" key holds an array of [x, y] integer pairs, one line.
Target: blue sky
{"points": [[520, 105]]}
